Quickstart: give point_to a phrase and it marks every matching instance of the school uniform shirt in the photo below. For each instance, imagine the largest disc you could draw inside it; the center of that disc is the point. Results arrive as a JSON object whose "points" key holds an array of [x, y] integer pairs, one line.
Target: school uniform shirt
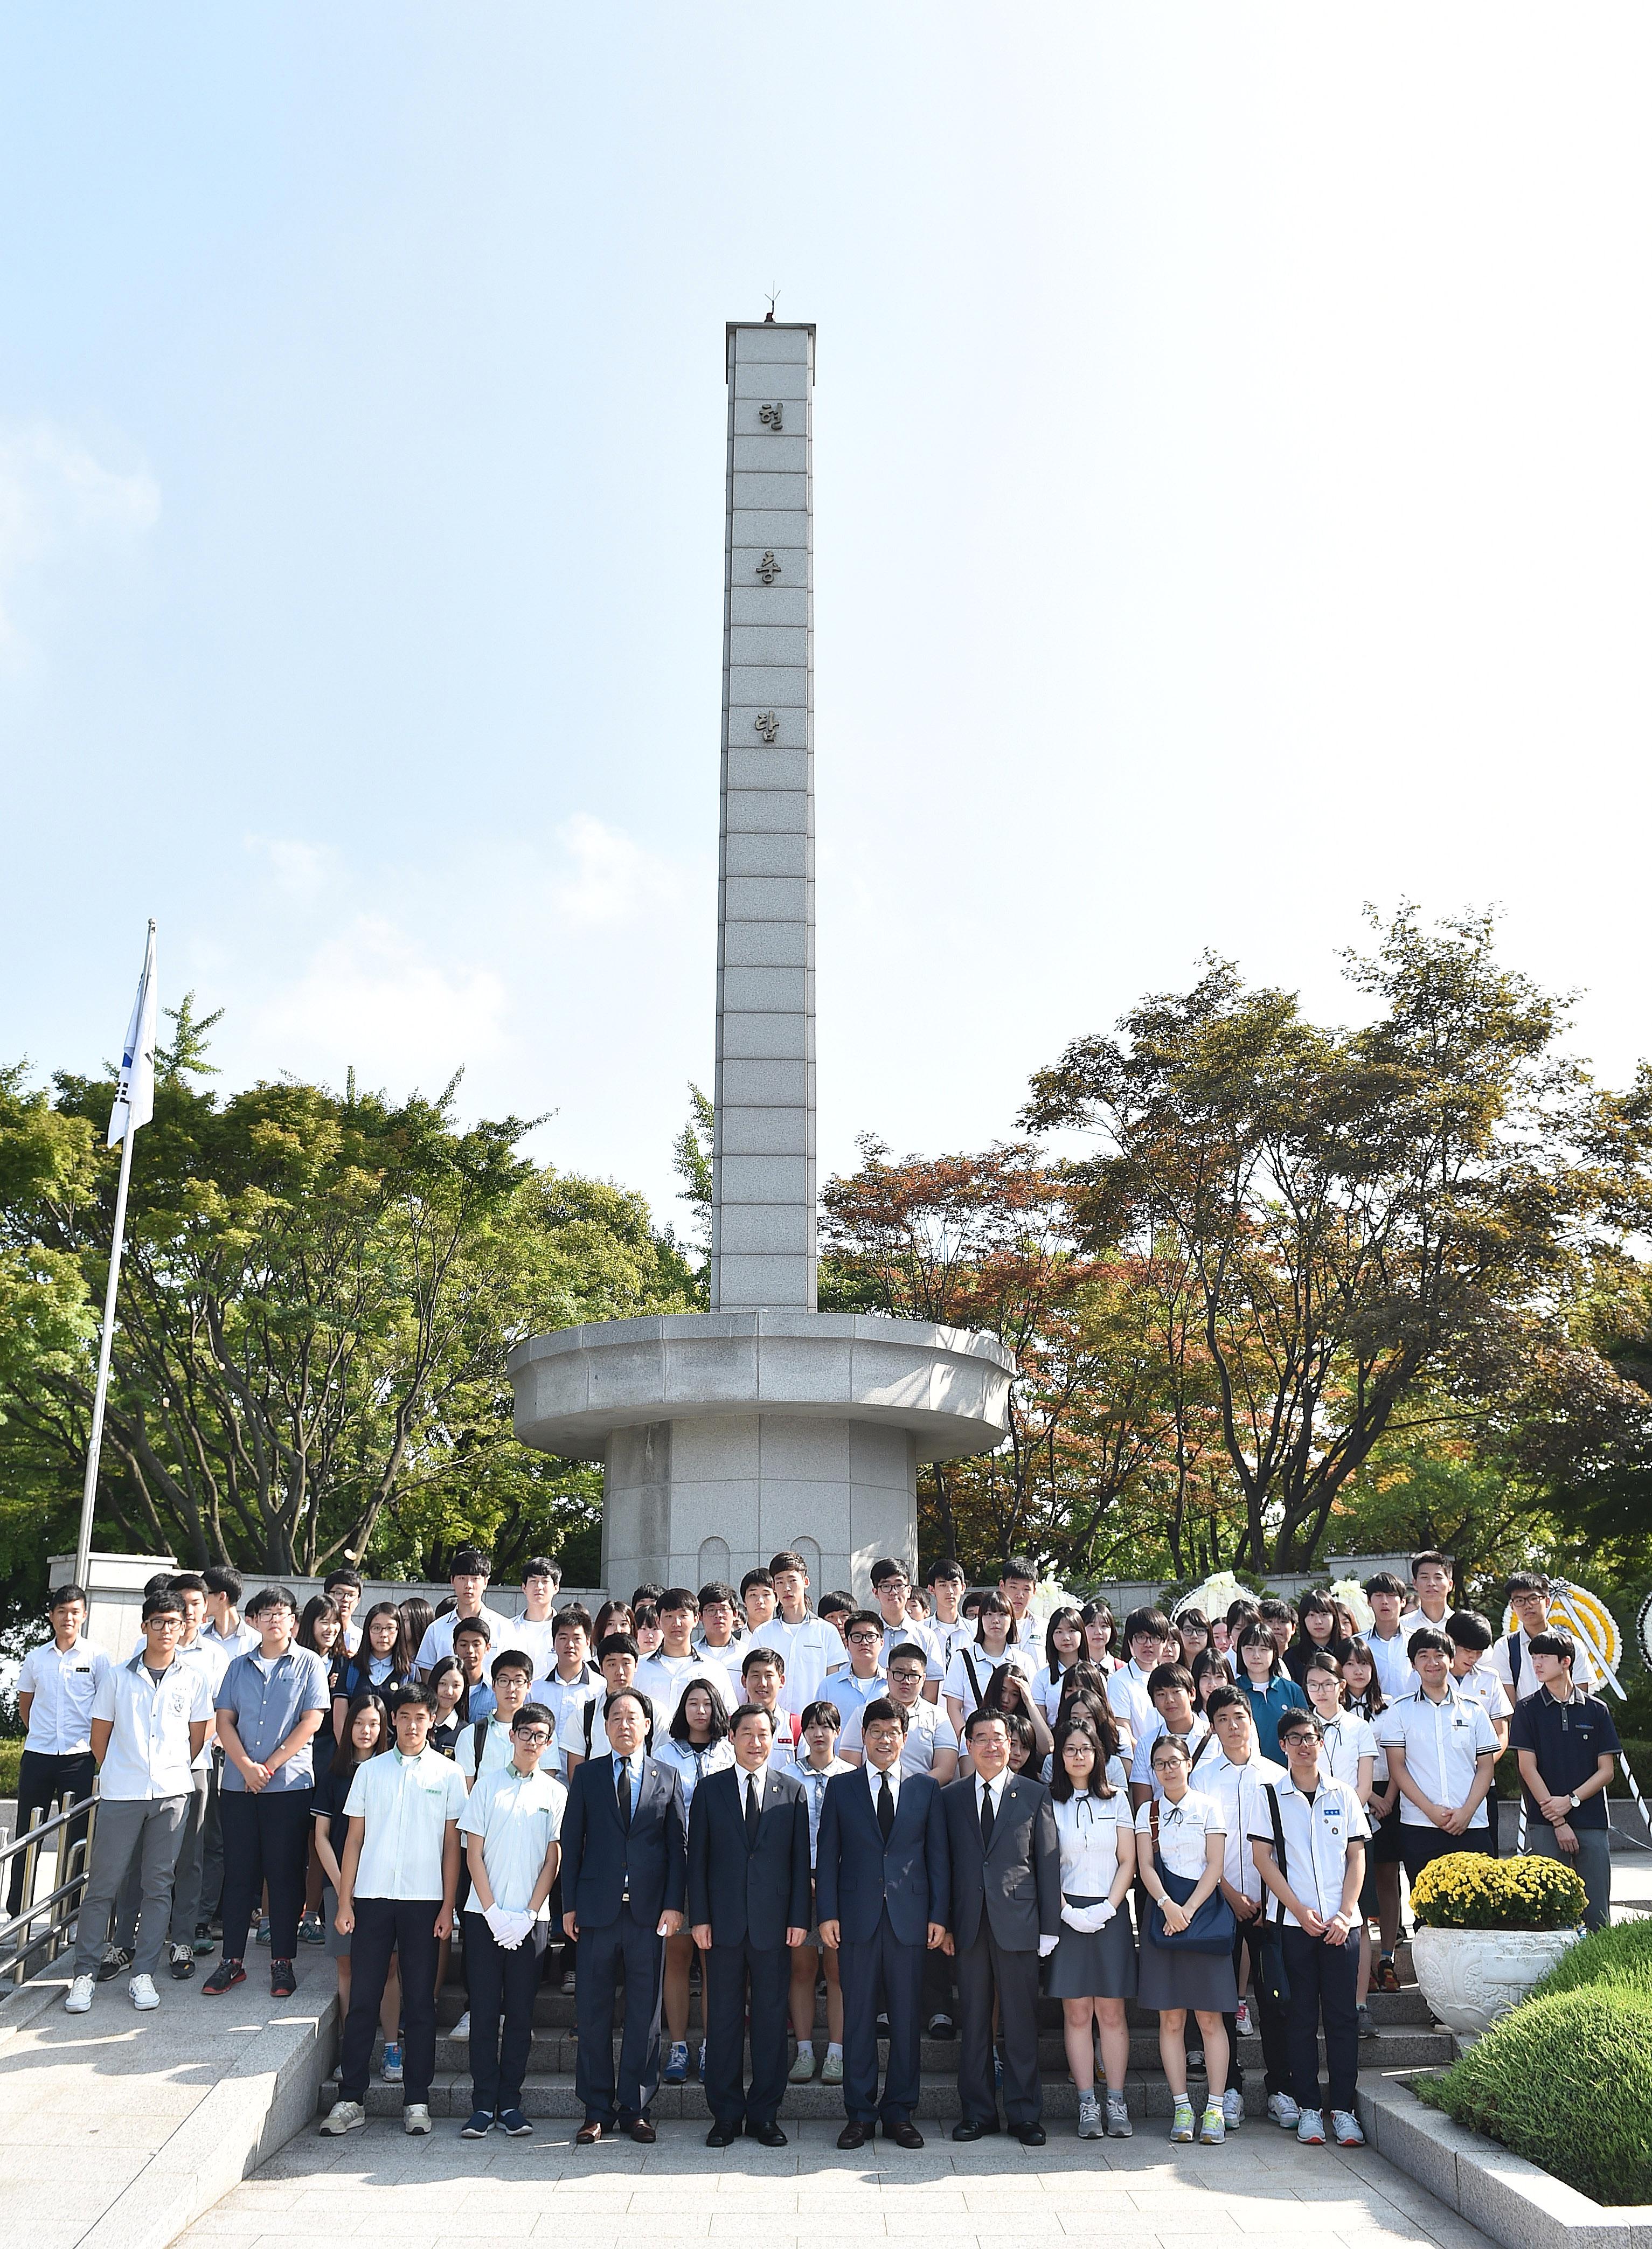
{"points": [[1141, 1762], [1182, 1830], [1442, 1741], [438, 1636], [1046, 1688], [811, 1648], [536, 1642], [407, 1803], [1481, 1684], [928, 1729], [788, 1745], [1238, 1788], [519, 1816], [497, 1749], [693, 1765], [559, 1695], [212, 1659], [1317, 1831], [944, 1640], [1087, 1828], [64, 1682], [666, 1679], [729, 1659], [1391, 1665], [267, 1697], [1128, 1699], [1347, 1739], [852, 1694], [972, 1669], [1565, 1738], [148, 1754], [813, 1779], [235, 1643], [911, 1635], [1518, 1677]]}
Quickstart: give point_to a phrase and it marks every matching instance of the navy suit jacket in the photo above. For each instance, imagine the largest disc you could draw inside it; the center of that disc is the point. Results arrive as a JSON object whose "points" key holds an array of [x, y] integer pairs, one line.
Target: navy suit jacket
{"points": [[746, 1894], [857, 1874], [598, 1854], [1017, 1884]]}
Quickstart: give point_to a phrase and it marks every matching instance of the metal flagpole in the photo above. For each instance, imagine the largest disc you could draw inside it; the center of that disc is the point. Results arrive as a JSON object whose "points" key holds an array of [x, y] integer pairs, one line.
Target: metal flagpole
{"points": [[1581, 1630], [83, 1544], [134, 1106]]}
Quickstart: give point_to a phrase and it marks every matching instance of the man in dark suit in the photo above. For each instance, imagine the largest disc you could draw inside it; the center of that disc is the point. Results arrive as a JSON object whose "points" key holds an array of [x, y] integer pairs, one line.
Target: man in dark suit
{"points": [[748, 1905], [1003, 1917], [880, 1886], [624, 1853]]}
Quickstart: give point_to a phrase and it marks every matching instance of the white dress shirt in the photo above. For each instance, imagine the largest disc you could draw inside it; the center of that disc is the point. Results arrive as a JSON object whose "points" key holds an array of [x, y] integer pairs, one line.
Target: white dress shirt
{"points": [[811, 1648], [438, 1636], [928, 1729], [748, 1781], [406, 1803], [1087, 1827], [1128, 1699], [875, 1781], [1182, 1830], [1237, 1788], [1317, 1832], [63, 1683], [666, 1679], [1518, 1679], [1442, 1741], [519, 1816], [1391, 1665]]}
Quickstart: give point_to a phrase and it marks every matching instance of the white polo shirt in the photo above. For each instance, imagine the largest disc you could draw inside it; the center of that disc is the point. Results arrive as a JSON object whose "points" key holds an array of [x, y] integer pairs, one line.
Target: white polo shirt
{"points": [[1237, 1788], [518, 1816], [1128, 1699], [928, 1729], [1442, 1741], [63, 1685], [1481, 1684], [148, 1754], [438, 1637], [407, 1803], [1317, 1836]]}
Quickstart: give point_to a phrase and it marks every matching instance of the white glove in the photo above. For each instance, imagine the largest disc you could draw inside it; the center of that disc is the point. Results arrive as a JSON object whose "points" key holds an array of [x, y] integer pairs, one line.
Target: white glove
{"points": [[1101, 1915], [508, 1928], [1075, 1916], [1047, 1945]]}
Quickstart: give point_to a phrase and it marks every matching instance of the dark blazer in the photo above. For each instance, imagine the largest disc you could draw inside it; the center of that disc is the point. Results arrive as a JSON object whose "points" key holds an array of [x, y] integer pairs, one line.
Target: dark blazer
{"points": [[745, 1894], [1018, 1882], [857, 1875], [596, 1853]]}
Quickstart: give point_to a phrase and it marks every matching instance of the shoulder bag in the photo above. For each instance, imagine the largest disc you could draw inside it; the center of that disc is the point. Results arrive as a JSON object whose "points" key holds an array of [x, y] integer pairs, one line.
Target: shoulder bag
{"points": [[1213, 1927]]}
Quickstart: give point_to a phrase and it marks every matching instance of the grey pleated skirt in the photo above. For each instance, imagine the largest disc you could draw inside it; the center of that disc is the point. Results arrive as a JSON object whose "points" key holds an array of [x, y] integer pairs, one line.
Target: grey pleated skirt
{"points": [[1204, 1981], [1101, 1965]]}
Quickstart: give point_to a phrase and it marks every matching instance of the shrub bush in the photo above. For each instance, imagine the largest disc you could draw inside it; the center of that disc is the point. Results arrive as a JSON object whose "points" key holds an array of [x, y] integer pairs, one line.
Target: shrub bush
{"points": [[1566, 2082], [1467, 1890], [1618, 1958]]}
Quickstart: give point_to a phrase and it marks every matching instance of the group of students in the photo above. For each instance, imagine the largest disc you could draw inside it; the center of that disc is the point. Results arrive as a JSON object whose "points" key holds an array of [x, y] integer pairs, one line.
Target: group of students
{"points": [[901, 1798]]}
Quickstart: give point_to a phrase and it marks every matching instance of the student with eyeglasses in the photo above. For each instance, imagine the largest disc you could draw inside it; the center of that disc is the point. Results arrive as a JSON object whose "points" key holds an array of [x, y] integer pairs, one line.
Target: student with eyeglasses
{"points": [[1093, 1971], [511, 1828]]}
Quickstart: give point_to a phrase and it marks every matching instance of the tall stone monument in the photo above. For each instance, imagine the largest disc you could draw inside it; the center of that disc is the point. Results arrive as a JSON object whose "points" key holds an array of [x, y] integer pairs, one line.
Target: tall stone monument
{"points": [[762, 1423]]}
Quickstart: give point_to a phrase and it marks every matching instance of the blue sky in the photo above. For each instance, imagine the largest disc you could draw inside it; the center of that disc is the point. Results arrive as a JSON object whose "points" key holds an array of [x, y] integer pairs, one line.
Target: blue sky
{"points": [[1233, 472]]}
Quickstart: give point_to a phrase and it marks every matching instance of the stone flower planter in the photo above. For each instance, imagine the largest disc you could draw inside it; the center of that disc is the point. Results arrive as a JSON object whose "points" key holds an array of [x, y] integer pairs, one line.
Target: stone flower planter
{"points": [[1469, 1977]]}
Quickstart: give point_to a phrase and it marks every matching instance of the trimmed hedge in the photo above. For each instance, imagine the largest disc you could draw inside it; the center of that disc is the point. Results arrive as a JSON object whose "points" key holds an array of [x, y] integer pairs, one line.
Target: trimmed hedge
{"points": [[10, 1759], [1465, 1889], [1618, 1959], [1566, 2082]]}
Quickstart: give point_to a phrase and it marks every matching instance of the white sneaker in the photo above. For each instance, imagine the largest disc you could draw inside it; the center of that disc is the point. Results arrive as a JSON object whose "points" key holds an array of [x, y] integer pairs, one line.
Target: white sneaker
{"points": [[1283, 2111], [462, 2028], [144, 1995], [1089, 2125], [416, 2117], [1310, 2128], [343, 2116], [1233, 2108], [1345, 2128], [78, 2000], [1244, 2021]]}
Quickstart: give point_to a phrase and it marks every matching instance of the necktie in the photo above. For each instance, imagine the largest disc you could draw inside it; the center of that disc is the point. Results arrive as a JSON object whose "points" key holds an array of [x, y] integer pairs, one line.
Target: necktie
{"points": [[986, 1815], [622, 1790], [751, 1811], [886, 1806]]}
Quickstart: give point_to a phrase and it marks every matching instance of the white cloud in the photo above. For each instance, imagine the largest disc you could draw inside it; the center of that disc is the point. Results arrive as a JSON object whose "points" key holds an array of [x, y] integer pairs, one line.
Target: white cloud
{"points": [[371, 997], [301, 871], [55, 496], [609, 880]]}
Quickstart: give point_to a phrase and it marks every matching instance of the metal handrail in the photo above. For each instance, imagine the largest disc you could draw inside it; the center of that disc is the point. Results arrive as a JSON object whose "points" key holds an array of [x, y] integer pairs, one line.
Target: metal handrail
{"points": [[59, 1907]]}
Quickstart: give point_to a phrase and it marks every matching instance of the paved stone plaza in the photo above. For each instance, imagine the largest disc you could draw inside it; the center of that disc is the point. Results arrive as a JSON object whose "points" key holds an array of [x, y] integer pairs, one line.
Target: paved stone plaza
{"points": [[380, 2186]]}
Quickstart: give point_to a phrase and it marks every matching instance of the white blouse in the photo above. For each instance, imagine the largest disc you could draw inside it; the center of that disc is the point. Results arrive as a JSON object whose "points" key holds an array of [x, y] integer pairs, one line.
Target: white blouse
{"points": [[1182, 1830], [1347, 1739], [1087, 1827]]}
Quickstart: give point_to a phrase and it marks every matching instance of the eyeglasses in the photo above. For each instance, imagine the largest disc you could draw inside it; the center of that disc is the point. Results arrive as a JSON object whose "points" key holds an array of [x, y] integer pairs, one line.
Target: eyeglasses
{"points": [[865, 1639], [906, 1674], [534, 1734]]}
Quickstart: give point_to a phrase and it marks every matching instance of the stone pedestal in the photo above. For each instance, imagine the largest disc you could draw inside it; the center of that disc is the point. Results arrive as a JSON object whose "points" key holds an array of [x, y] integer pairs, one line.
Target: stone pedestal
{"points": [[726, 1435]]}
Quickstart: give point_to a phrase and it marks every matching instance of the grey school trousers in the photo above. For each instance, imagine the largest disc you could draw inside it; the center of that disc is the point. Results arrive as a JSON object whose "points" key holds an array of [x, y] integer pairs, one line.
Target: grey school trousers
{"points": [[186, 1875], [149, 1829]]}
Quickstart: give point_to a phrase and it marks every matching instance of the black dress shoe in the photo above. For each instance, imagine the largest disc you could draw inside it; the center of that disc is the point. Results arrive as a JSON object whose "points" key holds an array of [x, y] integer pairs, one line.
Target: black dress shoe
{"points": [[903, 2135], [766, 2136], [1030, 2136], [722, 2135], [638, 2129], [968, 2129], [854, 2135]]}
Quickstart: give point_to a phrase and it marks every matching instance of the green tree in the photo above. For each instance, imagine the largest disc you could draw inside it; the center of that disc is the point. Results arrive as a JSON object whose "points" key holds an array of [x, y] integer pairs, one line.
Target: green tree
{"points": [[1358, 1211]]}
